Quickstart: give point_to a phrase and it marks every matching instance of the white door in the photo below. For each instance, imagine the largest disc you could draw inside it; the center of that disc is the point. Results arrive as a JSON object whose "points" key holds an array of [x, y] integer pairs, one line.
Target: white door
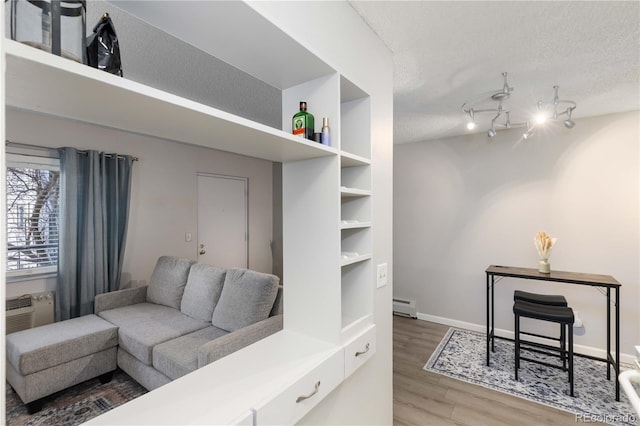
{"points": [[222, 221]]}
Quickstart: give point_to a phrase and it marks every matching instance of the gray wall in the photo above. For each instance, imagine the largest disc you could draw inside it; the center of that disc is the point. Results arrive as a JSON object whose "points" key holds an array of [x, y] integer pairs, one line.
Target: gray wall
{"points": [[463, 203], [154, 58]]}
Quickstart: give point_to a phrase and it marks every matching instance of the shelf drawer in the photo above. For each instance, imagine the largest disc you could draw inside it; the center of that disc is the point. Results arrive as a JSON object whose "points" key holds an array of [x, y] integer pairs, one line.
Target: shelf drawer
{"points": [[289, 406], [359, 350]]}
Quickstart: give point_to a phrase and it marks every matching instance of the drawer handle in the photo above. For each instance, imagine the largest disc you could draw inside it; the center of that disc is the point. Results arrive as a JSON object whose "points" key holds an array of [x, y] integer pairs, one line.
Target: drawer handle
{"points": [[366, 349], [315, 391]]}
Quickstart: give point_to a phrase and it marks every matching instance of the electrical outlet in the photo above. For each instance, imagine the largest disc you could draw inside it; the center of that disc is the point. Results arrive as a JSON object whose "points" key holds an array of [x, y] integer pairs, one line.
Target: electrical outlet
{"points": [[381, 280], [577, 321]]}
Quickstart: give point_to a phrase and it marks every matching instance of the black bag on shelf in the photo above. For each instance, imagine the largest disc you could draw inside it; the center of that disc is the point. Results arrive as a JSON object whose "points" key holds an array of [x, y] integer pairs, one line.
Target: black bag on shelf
{"points": [[103, 49]]}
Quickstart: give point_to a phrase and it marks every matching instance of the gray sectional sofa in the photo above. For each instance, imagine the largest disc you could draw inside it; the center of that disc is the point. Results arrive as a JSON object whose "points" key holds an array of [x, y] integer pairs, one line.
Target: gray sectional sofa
{"points": [[188, 316]]}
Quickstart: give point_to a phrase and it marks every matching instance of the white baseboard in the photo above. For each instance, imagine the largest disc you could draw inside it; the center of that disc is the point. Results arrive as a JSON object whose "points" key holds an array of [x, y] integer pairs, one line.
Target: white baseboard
{"points": [[586, 350]]}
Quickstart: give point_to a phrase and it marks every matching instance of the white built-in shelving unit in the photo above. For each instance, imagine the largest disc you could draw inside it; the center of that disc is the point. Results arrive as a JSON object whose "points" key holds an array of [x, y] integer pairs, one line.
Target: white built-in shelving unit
{"points": [[355, 206], [327, 219]]}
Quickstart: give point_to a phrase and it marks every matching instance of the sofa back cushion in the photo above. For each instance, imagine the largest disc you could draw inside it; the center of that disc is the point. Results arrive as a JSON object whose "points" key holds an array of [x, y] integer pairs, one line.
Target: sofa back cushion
{"points": [[277, 305], [168, 280], [202, 291], [247, 297]]}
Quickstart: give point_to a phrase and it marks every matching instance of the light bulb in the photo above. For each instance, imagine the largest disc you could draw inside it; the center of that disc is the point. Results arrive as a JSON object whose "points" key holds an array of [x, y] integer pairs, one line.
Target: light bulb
{"points": [[569, 123], [540, 118], [491, 133], [471, 125]]}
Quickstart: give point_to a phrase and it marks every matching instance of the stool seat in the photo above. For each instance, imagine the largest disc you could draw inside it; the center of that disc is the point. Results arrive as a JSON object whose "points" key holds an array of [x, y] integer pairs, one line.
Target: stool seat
{"points": [[559, 314], [543, 299]]}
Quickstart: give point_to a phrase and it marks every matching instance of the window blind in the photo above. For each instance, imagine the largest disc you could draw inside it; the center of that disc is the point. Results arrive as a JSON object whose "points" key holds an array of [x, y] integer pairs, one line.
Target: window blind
{"points": [[32, 217]]}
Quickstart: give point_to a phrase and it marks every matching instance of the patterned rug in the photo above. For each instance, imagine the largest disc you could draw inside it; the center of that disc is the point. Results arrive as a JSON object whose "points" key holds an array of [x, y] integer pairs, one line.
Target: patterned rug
{"points": [[75, 405], [462, 355]]}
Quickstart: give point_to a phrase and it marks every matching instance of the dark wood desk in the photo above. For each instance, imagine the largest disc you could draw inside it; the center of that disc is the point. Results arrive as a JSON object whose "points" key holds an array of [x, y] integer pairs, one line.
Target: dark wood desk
{"points": [[593, 280]]}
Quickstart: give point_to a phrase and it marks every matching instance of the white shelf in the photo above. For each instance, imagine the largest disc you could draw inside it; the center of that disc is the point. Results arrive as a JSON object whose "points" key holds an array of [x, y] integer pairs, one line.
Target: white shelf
{"points": [[354, 192], [351, 160], [355, 259], [355, 225], [44, 83]]}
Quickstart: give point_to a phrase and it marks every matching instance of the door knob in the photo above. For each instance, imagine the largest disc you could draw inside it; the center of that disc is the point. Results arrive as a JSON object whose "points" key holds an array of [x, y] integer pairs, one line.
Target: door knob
{"points": [[202, 251]]}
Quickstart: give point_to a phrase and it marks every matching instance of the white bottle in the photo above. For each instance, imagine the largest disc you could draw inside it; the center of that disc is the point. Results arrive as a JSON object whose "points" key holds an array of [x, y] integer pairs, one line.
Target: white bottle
{"points": [[325, 134]]}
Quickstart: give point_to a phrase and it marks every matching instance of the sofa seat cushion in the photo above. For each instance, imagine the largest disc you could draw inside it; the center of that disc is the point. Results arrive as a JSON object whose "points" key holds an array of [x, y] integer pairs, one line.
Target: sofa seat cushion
{"points": [[168, 281], [144, 325], [43, 347], [247, 297], [178, 357]]}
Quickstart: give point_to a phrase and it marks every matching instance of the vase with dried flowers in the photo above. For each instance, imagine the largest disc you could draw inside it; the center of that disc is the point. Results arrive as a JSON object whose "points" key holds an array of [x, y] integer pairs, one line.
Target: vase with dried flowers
{"points": [[544, 242]]}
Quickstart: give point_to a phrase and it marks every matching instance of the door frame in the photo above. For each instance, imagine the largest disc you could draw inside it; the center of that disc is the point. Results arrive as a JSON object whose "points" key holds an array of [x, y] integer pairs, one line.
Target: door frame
{"points": [[243, 179]]}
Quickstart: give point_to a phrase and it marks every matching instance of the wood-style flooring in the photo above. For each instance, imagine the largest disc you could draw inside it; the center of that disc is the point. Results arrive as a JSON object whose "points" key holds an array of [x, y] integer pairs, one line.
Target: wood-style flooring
{"points": [[424, 398]]}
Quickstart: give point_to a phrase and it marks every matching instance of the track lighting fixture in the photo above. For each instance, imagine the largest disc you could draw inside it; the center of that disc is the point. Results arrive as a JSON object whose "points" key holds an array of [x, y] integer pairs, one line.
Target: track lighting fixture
{"points": [[545, 111], [569, 123], [529, 132], [471, 124]]}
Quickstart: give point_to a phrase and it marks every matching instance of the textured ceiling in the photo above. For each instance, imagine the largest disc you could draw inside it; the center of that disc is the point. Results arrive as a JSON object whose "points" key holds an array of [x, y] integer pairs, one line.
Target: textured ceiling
{"points": [[447, 53]]}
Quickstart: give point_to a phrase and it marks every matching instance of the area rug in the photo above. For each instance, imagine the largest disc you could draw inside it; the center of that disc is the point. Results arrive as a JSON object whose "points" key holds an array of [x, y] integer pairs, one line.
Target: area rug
{"points": [[75, 405], [462, 355]]}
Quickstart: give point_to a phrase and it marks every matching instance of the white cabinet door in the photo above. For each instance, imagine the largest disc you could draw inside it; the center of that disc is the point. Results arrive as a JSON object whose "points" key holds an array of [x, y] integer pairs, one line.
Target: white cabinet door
{"points": [[290, 405], [359, 350]]}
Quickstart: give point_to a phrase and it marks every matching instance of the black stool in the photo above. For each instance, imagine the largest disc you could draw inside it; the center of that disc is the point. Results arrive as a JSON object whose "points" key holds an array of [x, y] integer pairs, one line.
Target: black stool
{"points": [[545, 299], [562, 315]]}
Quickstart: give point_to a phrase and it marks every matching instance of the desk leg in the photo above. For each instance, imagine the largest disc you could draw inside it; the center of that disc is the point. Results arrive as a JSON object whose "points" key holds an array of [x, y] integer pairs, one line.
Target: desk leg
{"points": [[493, 319], [608, 332], [617, 368], [488, 335]]}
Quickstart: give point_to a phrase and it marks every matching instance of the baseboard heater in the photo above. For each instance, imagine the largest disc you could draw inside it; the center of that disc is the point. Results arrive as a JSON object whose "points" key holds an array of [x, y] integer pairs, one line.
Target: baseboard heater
{"points": [[405, 308], [28, 311]]}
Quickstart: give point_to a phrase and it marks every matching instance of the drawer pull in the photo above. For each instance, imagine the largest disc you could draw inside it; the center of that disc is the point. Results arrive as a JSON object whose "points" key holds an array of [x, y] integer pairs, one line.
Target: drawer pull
{"points": [[366, 349], [315, 391]]}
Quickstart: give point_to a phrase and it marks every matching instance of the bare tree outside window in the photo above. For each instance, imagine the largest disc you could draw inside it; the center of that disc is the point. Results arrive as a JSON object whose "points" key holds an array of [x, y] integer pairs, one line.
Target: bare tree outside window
{"points": [[32, 217]]}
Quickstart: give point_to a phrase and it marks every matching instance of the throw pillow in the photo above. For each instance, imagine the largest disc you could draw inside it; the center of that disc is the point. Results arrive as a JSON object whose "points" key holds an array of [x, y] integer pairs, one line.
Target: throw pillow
{"points": [[247, 297], [168, 280], [202, 291]]}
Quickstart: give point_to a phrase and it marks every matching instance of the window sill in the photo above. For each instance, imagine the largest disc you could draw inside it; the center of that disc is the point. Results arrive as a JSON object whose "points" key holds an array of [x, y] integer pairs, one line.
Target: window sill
{"points": [[30, 277]]}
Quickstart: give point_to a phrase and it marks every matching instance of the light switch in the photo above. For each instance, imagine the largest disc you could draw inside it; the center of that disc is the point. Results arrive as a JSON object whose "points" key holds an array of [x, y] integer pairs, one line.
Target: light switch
{"points": [[382, 275], [187, 237]]}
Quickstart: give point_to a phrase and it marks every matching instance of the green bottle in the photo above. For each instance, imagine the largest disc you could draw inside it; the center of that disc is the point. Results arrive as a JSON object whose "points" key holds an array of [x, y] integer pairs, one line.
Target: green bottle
{"points": [[302, 123]]}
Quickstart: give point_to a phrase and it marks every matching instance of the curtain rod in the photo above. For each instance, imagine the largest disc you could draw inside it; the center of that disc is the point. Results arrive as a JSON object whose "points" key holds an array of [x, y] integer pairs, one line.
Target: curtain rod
{"points": [[48, 148]]}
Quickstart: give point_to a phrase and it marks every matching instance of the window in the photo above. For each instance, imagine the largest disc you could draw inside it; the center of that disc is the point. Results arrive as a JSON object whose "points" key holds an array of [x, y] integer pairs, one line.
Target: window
{"points": [[32, 214]]}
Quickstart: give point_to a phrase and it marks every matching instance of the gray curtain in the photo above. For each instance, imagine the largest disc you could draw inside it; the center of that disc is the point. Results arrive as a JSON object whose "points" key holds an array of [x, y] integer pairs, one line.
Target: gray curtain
{"points": [[95, 192]]}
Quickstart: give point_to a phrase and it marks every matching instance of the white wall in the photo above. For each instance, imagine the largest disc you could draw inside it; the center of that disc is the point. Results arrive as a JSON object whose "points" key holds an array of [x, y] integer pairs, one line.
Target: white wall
{"points": [[464, 203], [163, 200], [335, 33]]}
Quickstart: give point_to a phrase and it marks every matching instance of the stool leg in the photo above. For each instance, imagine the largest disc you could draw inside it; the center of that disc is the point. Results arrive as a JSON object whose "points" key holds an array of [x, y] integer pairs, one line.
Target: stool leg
{"points": [[570, 331], [563, 347], [517, 345]]}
